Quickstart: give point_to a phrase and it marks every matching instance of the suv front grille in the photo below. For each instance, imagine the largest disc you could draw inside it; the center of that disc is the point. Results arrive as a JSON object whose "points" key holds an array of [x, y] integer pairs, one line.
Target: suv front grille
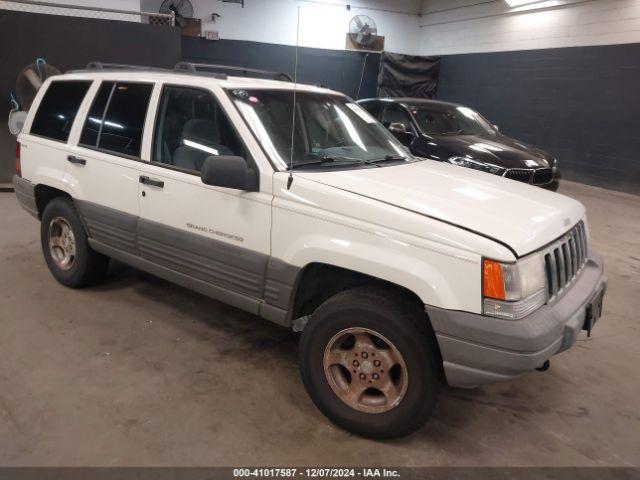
{"points": [[565, 259], [533, 176]]}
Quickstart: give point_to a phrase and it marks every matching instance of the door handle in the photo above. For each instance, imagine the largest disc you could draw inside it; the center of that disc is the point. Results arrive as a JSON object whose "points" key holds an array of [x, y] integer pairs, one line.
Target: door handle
{"points": [[151, 181], [76, 160]]}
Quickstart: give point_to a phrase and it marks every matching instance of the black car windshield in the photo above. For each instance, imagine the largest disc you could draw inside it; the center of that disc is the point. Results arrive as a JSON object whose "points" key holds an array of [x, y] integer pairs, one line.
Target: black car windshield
{"points": [[330, 131], [435, 119]]}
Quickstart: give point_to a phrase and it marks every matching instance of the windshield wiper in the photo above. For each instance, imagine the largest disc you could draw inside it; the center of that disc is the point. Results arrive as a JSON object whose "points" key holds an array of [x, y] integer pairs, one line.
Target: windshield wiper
{"points": [[390, 158], [332, 159]]}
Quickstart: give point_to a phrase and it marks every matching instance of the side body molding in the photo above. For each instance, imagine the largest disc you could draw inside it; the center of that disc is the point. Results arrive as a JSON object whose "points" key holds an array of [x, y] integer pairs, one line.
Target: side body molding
{"points": [[251, 281]]}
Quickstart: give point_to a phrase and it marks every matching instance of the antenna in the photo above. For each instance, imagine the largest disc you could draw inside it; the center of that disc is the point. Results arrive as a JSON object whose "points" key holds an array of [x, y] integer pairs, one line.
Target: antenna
{"points": [[295, 87], [364, 64]]}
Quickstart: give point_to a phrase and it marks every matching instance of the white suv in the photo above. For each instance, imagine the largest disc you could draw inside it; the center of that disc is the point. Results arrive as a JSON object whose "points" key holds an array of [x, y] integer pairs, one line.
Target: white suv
{"points": [[403, 275]]}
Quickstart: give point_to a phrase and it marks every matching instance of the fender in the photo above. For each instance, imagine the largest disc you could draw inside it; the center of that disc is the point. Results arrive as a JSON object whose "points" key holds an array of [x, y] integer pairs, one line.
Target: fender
{"points": [[423, 273]]}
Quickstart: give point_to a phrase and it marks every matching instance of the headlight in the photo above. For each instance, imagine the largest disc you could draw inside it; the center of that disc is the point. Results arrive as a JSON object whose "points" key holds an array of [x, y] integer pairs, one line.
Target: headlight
{"points": [[476, 165], [513, 290]]}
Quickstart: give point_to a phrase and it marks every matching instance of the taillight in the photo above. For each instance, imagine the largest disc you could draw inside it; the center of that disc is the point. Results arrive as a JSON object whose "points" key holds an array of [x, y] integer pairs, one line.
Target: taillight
{"points": [[18, 165]]}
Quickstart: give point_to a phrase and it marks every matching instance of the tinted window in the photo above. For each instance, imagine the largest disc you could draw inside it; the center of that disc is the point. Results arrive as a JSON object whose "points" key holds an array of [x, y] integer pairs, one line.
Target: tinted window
{"points": [[396, 114], [439, 119], [191, 126], [94, 119], [58, 109], [124, 119]]}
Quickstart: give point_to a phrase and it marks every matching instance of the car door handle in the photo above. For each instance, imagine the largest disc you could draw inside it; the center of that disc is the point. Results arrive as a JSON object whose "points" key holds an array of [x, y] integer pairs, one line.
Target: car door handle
{"points": [[76, 160], [151, 181]]}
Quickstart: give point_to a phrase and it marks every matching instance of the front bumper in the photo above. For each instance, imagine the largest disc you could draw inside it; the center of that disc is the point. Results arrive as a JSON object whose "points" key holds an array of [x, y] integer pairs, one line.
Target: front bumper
{"points": [[477, 349]]}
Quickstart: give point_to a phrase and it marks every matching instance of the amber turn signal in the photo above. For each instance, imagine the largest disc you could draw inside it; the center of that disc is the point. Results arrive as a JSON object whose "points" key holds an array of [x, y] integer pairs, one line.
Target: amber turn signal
{"points": [[493, 280]]}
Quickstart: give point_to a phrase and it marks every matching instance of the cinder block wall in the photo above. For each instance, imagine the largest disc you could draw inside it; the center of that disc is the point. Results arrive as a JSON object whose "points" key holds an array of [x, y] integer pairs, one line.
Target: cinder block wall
{"points": [[70, 43], [582, 104]]}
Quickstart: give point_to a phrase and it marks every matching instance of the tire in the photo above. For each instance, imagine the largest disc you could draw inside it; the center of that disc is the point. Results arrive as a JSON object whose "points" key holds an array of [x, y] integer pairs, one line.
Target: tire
{"points": [[395, 321], [82, 268]]}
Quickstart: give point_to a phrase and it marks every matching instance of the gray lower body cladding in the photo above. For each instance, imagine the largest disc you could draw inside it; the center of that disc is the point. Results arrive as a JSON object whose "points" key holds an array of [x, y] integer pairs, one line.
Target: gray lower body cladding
{"points": [[243, 278], [203, 258], [108, 226], [478, 349], [25, 193]]}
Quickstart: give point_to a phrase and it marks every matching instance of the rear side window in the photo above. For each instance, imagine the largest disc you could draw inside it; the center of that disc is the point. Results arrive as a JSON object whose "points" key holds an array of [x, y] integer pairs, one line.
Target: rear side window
{"points": [[92, 125], [116, 120], [58, 109]]}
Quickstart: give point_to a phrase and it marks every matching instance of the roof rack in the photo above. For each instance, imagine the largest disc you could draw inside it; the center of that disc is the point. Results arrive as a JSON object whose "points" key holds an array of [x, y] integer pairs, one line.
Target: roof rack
{"points": [[120, 66], [199, 67], [187, 68]]}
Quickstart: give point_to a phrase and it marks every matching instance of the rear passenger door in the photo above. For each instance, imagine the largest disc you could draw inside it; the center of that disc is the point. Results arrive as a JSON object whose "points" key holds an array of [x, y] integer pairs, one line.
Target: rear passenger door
{"points": [[44, 148], [104, 161], [219, 236]]}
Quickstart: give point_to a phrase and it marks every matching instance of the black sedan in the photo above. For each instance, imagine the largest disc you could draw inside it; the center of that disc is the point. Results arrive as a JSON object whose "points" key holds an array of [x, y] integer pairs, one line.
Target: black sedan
{"points": [[459, 135]]}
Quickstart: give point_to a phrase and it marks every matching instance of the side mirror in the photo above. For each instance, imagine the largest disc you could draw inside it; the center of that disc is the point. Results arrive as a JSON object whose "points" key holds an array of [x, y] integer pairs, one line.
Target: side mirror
{"points": [[229, 172], [497, 128], [399, 130]]}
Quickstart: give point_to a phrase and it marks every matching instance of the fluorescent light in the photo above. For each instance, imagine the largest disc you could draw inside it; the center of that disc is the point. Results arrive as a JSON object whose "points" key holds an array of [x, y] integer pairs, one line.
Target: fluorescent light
{"points": [[199, 146], [537, 5], [519, 3]]}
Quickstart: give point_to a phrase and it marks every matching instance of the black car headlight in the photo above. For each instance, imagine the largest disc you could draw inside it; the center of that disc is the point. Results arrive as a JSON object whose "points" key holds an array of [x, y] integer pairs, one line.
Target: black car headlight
{"points": [[476, 165]]}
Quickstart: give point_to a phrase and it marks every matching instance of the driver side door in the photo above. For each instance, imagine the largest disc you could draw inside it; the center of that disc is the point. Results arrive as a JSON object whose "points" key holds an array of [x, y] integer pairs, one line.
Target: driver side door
{"points": [[216, 239]]}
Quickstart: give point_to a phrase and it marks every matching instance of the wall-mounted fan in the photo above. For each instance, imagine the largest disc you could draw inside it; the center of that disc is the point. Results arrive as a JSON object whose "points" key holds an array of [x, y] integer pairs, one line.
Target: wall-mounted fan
{"points": [[181, 8], [362, 30], [29, 81]]}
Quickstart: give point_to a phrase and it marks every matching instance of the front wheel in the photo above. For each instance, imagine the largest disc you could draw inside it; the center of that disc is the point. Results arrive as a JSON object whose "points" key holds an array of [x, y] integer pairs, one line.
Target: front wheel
{"points": [[368, 360]]}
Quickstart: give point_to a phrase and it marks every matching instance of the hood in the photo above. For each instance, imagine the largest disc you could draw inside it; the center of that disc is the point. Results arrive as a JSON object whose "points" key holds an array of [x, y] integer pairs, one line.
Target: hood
{"points": [[495, 149], [523, 217]]}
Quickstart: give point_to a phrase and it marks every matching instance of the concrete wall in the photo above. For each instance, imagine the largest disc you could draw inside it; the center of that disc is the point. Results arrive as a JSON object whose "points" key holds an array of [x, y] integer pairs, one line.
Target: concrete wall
{"points": [[471, 26], [70, 43], [564, 77], [323, 24], [581, 104], [64, 10], [338, 70]]}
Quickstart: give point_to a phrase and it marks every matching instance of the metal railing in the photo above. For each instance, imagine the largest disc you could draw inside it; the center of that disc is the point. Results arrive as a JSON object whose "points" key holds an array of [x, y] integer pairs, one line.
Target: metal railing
{"points": [[48, 8]]}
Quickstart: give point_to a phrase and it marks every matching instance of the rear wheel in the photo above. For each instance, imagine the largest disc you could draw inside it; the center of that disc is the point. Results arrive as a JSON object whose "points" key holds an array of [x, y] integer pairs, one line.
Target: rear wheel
{"points": [[65, 247], [368, 361]]}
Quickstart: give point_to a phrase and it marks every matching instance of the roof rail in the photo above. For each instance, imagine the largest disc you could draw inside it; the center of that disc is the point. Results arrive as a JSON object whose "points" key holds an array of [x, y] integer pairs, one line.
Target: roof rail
{"points": [[197, 67], [120, 66]]}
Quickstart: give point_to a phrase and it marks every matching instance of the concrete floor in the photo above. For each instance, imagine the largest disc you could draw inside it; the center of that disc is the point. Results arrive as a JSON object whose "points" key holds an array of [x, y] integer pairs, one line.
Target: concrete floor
{"points": [[141, 372]]}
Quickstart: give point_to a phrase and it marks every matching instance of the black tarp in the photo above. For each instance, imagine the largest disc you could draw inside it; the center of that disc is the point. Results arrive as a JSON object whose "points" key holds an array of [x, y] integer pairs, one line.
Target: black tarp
{"points": [[408, 76]]}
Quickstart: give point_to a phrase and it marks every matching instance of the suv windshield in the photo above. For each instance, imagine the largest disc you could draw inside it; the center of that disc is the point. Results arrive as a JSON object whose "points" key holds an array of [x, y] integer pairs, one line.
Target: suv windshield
{"points": [[437, 119], [330, 131]]}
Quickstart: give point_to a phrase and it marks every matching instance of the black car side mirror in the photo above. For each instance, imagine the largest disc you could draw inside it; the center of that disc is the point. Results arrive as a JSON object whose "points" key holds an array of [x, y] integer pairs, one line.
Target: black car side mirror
{"points": [[399, 130], [229, 172]]}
